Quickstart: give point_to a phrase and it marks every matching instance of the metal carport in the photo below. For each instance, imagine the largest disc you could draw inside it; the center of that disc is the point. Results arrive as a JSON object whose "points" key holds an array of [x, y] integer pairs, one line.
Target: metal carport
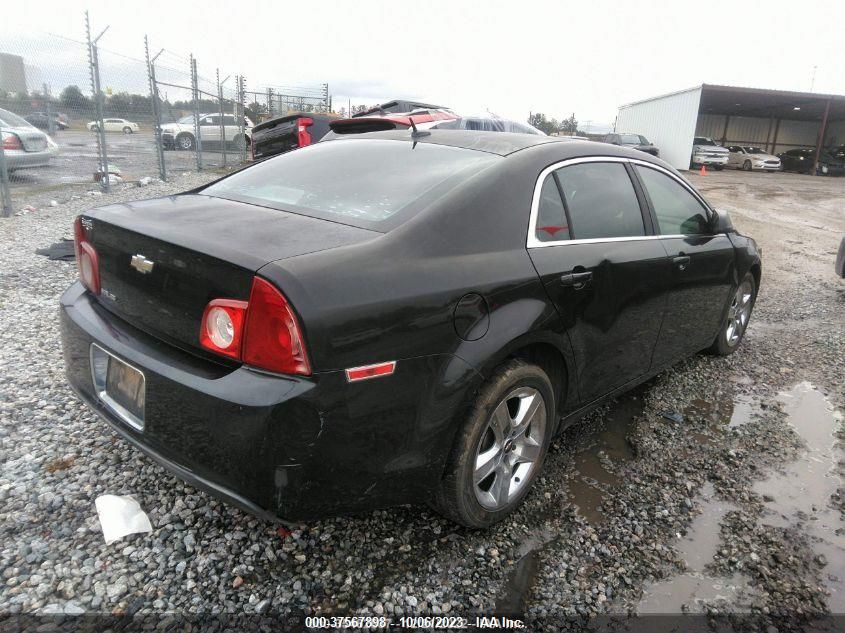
{"points": [[776, 120]]}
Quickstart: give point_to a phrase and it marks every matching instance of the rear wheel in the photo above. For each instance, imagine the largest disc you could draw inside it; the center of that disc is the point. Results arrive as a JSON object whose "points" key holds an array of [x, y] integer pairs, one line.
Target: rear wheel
{"points": [[735, 320], [718, 167], [127, 130], [501, 447]]}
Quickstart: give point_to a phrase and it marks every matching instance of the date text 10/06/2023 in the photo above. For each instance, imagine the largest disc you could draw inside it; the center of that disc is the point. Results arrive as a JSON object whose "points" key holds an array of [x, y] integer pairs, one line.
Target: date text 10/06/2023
{"points": [[413, 622]]}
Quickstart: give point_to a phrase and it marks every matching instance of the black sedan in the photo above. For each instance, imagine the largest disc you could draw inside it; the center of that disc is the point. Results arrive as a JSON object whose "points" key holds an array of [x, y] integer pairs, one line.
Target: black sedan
{"points": [[393, 317], [804, 160], [635, 141]]}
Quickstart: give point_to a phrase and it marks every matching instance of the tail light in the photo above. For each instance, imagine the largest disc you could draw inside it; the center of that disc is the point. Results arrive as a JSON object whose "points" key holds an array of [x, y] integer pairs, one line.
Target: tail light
{"points": [[12, 142], [303, 137], [263, 332], [86, 258]]}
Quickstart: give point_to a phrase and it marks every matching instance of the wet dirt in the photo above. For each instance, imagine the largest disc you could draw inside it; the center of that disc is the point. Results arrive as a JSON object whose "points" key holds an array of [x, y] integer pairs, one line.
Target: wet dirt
{"points": [[803, 494], [596, 461]]}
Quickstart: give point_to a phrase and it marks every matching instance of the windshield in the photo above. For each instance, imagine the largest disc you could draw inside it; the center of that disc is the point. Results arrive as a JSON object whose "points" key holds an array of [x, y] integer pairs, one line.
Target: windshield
{"points": [[369, 183], [629, 139], [10, 119], [700, 140], [753, 150], [187, 120]]}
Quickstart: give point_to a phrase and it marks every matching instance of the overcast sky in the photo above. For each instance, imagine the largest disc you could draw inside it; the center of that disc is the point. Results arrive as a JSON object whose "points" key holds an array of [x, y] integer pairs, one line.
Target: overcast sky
{"points": [[508, 57]]}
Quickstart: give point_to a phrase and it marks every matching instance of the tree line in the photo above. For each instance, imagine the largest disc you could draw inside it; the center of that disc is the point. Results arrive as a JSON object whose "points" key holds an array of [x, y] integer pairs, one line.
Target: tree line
{"points": [[567, 127]]}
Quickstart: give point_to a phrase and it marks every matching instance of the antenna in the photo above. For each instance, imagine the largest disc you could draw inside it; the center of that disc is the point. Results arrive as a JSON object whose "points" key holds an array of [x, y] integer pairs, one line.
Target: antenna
{"points": [[417, 133]]}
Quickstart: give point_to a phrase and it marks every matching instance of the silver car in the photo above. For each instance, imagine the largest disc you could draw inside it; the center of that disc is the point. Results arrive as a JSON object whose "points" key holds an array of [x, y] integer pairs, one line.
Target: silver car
{"points": [[24, 146]]}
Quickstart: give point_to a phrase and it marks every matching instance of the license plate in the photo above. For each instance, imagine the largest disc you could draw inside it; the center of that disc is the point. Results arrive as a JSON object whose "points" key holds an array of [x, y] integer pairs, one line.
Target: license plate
{"points": [[121, 387]]}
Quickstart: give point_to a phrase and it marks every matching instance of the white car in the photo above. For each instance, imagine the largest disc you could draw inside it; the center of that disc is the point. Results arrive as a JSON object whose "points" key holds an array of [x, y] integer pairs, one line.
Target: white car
{"points": [[705, 151], [748, 158], [181, 135], [115, 125]]}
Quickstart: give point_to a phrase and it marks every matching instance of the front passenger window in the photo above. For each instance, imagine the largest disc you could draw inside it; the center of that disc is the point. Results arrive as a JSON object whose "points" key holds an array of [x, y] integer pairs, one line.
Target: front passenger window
{"points": [[678, 211]]}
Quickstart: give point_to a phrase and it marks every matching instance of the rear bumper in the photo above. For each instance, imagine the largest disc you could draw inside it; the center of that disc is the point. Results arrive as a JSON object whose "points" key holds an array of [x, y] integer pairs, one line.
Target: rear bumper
{"points": [[17, 159], [283, 447]]}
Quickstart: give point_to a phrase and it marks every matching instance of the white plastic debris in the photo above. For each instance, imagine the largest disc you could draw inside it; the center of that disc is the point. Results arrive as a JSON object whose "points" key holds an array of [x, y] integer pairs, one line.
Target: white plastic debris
{"points": [[143, 182], [120, 516], [54, 203]]}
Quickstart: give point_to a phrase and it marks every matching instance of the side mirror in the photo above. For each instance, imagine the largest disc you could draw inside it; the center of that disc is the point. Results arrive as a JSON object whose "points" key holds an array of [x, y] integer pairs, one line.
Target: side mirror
{"points": [[720, 222]]}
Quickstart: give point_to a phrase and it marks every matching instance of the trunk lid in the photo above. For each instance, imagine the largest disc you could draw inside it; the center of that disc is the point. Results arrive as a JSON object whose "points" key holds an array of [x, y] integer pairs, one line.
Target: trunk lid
{"points": [[31, 139], [275, 137], [162, 261]]}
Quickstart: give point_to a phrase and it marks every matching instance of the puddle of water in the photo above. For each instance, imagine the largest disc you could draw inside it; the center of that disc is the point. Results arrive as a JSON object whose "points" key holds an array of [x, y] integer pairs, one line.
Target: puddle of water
{"points": [[687, 592], [514, 596], [730, 412], [592, 478], [800, 495]]}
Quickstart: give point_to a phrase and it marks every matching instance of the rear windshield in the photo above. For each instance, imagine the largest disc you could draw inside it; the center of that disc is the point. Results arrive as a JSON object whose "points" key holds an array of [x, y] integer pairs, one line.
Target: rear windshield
{"points": [[369, 183]]}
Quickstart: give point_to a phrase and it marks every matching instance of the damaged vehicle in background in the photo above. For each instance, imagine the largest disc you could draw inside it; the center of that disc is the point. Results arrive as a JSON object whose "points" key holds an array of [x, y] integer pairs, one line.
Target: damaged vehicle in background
{"points": [[487, 123], [373, 122], [285, 133], [634, 141], [395, 317], [24, 146], [705, 152]]}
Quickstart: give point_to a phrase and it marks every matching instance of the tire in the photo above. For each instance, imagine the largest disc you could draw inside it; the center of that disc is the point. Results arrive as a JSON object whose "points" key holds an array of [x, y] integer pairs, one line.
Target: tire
{"points": [[127, 130], [718, 167], [735, 322], [520, 398], [95, 128], [185, 141], [746, 166]]}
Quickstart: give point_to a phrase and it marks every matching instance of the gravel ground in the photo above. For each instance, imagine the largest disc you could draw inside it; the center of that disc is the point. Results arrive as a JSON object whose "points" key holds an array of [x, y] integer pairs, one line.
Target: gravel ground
{"points": [[608, 525]]}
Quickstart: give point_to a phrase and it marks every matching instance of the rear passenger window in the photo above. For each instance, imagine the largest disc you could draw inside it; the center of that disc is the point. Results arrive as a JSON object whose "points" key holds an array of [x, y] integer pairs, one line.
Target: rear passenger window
{"points": [[601, 201], [678, 211], [551, 217]]}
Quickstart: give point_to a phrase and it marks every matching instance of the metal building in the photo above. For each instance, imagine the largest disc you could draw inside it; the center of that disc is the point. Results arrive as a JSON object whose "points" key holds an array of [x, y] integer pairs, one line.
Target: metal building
{"points": [[776, 120]]}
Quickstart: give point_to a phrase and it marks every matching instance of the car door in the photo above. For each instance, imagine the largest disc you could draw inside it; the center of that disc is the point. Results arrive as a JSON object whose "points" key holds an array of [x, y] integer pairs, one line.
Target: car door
{"points": [[112, 125], [702, 265], [606, 273], [210, 129], [736, 156]]}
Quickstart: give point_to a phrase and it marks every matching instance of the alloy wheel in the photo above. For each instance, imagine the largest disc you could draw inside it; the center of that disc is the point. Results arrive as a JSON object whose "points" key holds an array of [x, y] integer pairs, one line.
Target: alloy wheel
{"points": [[510, 448], [738, 313]]}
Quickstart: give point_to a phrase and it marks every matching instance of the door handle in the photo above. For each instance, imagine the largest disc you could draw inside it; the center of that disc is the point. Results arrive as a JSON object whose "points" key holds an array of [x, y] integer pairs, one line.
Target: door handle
{"points": [[577, 280], [681, 262]]}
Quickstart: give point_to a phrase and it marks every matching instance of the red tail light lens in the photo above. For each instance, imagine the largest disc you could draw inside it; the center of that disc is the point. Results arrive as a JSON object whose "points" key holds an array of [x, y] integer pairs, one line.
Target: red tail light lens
{"points": [[11, 141], [263, 332], [223, 326], [303, 137], [86, 258], [273, 339]]}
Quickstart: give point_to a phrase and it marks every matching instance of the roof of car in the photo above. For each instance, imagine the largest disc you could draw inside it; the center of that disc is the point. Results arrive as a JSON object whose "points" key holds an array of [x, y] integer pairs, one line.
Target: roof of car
{"points": [[501, 143]]}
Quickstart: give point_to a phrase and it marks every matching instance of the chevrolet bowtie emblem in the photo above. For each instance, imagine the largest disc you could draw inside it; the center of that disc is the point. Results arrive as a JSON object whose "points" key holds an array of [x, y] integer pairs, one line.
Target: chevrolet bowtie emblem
{"points": [[142, 264]]}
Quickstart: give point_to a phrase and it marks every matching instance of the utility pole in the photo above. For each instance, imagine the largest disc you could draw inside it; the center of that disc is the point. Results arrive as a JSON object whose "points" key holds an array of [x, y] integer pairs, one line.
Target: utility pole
{"points": [[222, 113], [195, 92], [151, 74], [94, 67]]}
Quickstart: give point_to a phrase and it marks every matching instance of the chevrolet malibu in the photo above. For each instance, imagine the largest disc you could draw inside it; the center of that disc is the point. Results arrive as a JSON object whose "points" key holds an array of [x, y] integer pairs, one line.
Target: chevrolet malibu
{"points": [[395, 317]]}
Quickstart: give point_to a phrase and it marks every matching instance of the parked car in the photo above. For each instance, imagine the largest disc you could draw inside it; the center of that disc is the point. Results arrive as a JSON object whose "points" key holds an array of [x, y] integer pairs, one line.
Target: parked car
{"points": [[749, 158], [182, 135], [115, 125], [804, 160], [41, 120], [398, 106], [24, 147], [635, 141], [285, 133], [705, 151], [393, 317], [422, 119], [488, 124], [840, 259]]}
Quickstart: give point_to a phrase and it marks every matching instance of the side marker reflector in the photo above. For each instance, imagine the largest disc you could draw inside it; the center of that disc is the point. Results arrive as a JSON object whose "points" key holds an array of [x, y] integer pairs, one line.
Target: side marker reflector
{"points": [[354, 374]]}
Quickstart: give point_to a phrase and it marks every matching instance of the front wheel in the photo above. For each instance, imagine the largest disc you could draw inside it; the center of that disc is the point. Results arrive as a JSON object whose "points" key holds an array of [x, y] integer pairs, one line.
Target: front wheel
{"points": [[718, 167], [127, 130], [746, 166], [500, 448], [185, 141], [736, 317]]}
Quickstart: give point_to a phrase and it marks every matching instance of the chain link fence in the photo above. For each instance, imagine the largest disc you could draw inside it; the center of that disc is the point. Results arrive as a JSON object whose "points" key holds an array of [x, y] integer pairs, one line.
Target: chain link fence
{"points": [[76, 115]]}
